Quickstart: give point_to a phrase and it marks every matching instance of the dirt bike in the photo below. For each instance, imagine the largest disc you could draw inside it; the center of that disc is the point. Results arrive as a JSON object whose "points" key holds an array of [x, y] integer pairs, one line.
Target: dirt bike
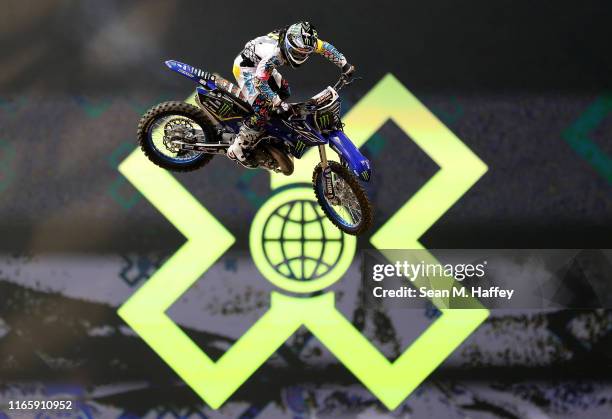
{"points": [[182, 137]]}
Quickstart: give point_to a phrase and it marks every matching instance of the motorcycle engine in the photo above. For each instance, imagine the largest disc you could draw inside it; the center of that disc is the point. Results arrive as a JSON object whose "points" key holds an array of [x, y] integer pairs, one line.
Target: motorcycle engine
{"points": [[270, 156]]}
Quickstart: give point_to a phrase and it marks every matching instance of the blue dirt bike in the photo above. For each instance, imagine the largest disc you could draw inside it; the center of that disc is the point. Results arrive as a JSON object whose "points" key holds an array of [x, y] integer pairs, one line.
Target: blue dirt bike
{"points": [[181, 137]]}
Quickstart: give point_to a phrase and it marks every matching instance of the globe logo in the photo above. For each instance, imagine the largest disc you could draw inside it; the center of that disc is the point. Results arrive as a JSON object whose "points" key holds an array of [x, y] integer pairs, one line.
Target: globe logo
{"points": [[298, 244], [295, 246]]}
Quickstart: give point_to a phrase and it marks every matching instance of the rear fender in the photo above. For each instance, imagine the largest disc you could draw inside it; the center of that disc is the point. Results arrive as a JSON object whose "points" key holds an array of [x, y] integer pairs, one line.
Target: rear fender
{"points": [[357, 162], [195, 74]]}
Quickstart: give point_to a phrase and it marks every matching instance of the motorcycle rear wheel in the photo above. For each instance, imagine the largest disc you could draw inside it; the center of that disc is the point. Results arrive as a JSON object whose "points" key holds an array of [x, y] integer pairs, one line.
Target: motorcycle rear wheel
{"points": [[153, 126]]}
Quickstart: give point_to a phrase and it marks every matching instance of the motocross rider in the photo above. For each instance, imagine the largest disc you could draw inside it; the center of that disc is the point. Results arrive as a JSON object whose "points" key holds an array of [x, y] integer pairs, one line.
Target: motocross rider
{"points": [[261, 83]]}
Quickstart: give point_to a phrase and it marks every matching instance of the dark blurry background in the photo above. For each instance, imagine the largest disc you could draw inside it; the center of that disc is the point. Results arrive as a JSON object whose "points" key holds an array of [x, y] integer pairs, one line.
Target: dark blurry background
{"points": [[526, 86]]}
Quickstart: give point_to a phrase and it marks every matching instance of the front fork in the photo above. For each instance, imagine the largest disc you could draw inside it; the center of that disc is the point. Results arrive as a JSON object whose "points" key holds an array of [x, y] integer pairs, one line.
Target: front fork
{"points": [[327, 174]]}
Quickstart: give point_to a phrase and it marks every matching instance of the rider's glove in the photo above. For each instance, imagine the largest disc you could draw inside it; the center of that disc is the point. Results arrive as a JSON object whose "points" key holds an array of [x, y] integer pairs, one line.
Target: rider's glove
{"points": [[276, 101], [279, 106], [284, 107], [348, 70]]}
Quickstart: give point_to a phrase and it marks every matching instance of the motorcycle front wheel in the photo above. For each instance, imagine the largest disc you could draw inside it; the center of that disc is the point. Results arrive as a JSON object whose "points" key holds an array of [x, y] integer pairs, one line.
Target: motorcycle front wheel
{"points": [[168, 121], [350, 210]]}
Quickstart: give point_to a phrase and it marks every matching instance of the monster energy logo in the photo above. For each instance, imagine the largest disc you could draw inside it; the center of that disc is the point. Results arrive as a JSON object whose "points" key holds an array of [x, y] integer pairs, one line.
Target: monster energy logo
{"points": [[300, 146], [365, 175], [224, 109], [323, 120]]}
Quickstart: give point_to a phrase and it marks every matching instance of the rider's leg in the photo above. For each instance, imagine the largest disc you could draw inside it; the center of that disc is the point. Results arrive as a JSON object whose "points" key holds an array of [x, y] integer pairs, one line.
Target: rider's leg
{"points": [[244, 79], [243, 142], [251, 130]]}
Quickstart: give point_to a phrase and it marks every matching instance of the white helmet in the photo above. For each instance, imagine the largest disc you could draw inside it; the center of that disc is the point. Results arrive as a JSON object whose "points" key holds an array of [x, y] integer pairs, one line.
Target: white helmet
{"points": [[300, 41]]}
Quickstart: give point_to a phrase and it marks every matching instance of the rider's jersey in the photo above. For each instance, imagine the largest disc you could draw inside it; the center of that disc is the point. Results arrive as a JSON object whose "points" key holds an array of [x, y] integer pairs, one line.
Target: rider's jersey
{"points": [[259, 59]]}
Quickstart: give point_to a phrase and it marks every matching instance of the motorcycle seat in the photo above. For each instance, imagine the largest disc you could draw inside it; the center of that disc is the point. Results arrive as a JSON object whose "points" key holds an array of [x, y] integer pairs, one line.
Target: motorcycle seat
{"points": [[231, 88]]}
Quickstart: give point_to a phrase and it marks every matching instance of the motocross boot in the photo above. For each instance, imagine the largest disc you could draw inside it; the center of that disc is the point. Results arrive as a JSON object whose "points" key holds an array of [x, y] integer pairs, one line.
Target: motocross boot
{"points": [[244, 141]]}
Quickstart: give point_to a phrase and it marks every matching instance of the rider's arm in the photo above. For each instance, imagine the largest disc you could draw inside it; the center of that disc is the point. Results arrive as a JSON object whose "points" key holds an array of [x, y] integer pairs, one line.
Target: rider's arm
{"points": [[262, 74], [332, 54]]}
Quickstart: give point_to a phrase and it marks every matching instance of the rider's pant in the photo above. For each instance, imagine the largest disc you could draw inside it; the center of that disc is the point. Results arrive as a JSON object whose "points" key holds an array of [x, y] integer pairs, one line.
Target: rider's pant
{"points": [[261, 112]]}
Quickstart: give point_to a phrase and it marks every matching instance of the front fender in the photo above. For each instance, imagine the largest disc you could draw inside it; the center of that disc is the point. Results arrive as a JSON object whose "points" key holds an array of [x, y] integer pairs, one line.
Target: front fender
{"points": [[357, 162]]}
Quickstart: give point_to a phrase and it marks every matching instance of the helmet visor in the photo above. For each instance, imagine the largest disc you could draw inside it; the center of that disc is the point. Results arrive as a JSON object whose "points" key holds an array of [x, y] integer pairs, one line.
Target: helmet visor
{"points": [[297, 54]]}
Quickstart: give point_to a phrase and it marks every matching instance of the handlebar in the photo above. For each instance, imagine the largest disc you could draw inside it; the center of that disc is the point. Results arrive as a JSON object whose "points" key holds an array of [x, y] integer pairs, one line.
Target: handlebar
{"points": [[298, 107], [345, 81]]}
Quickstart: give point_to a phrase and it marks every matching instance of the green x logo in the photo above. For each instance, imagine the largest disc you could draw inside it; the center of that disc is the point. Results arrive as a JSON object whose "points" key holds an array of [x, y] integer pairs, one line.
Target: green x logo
{"points": [[577, 135], [391, 382]]}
